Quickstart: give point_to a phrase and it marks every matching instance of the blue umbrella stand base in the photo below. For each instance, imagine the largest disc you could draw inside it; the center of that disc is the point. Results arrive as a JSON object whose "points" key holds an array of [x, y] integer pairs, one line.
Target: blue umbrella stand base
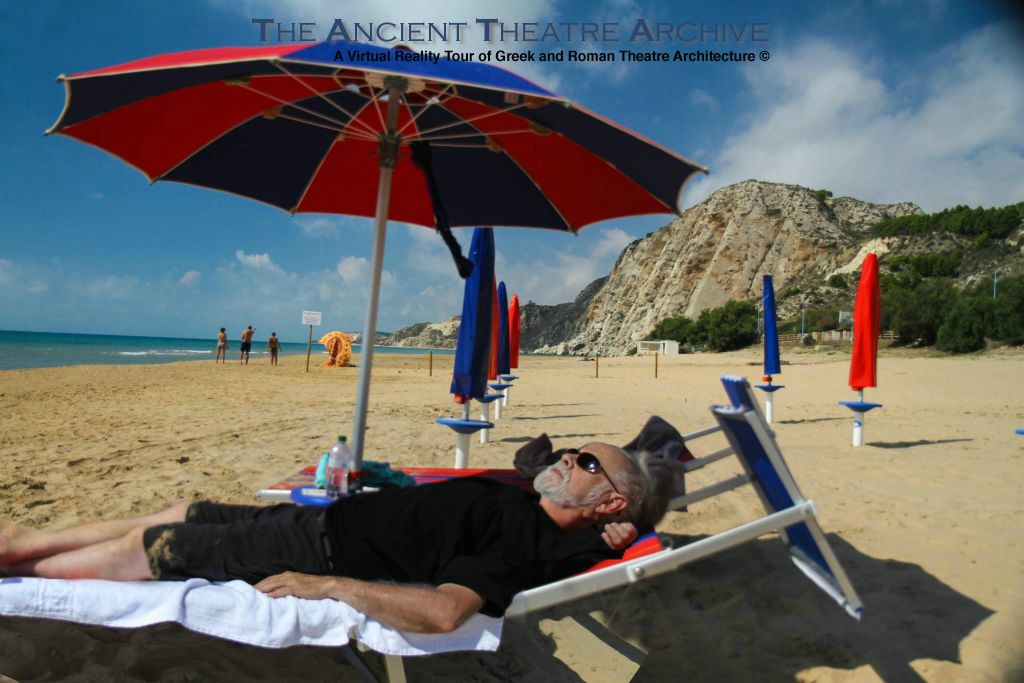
{"points": [[860, 406], [508, 378], [770, 387], [463, 428], [1021, 431], [499, 386], [488, 398]]}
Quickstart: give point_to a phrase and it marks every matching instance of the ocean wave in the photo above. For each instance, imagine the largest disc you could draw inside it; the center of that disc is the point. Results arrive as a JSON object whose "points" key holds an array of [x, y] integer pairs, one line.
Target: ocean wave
{"points": [[165, 352]]}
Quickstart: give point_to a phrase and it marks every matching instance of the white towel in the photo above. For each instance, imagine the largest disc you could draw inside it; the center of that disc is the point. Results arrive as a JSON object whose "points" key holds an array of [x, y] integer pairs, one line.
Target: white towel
{"points": [[234, 611]]}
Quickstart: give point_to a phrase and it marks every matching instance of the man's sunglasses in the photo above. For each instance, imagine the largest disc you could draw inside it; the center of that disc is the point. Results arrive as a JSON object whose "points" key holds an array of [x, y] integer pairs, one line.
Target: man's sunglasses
{"points": [[590, 464]]}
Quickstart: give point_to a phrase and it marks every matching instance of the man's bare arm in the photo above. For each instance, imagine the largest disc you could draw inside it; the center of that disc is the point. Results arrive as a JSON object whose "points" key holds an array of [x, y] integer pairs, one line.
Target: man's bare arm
{"points": [[420, 609]]}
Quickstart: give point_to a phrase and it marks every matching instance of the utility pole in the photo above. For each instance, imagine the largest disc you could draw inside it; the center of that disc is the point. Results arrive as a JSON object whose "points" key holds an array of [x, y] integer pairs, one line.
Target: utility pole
{"points": [[995, 281], [803, 300]]}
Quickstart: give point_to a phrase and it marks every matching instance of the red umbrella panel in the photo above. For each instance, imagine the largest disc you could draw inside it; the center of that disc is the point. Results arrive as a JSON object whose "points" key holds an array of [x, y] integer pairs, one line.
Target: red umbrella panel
{"points": [[867, 316]]}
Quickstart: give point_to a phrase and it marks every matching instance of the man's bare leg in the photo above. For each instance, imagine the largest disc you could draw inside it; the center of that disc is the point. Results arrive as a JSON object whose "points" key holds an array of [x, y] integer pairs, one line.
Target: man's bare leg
{"points": [[118, 559], [20, 543]]}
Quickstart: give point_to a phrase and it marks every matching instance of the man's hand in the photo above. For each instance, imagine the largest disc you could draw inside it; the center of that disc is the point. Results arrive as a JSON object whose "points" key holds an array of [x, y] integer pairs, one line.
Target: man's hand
{"points": [[619, 535], [300, 585]]}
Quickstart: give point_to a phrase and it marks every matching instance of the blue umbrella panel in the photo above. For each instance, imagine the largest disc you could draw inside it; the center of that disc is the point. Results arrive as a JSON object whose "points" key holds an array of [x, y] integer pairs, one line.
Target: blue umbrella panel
{"points": [[472, 353]]}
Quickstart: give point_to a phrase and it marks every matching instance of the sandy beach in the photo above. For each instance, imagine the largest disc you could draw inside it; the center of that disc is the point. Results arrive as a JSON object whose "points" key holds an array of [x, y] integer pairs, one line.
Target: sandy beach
{"points": [[927, 517]]}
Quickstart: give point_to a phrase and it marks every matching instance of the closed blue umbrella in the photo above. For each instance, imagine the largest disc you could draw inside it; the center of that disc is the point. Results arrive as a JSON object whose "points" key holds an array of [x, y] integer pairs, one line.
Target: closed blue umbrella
{"points": [[472, 353], [504, 357], [771, 331], [772, 365]]}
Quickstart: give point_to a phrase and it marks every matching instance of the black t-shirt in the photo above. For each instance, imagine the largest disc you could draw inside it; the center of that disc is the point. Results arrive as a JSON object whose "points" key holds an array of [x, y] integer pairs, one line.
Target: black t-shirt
{"points": [[492, 538]]}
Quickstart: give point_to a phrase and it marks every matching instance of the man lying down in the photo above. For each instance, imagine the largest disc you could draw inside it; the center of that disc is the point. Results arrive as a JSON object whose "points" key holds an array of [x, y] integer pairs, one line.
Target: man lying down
{"points": [[420, 559]]}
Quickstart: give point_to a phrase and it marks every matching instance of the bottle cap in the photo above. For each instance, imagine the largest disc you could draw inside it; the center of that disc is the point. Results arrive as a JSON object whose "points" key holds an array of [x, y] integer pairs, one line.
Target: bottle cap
{"points": [[342, 438]]}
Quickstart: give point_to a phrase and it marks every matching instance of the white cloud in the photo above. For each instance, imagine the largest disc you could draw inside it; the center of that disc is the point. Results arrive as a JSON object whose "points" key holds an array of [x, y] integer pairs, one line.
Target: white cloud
{"points": [[353, 269], [560, 277], [15, 278], [823, 118], [318, 227], [190, 278], [611, 242], [107, 287], [258, 261], [702, 99], [355, 273]]}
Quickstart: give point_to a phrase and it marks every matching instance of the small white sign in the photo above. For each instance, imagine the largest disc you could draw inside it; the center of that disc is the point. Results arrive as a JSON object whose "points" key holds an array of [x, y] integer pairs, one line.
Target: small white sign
{"points": [[311, 317]]}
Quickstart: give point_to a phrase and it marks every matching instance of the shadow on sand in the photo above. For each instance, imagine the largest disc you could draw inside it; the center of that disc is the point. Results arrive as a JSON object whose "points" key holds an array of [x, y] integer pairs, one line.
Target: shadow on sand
{"points": [[744, 615], [911, 444]]}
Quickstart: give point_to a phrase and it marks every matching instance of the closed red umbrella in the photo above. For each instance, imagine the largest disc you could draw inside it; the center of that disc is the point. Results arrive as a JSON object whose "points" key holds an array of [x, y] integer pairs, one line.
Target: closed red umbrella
{"points": [[513, 330], [867, 322]]}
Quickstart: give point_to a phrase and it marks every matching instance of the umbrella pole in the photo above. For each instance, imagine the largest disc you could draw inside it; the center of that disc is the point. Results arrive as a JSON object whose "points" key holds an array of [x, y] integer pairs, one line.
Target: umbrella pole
{"points": [[389, 144]]}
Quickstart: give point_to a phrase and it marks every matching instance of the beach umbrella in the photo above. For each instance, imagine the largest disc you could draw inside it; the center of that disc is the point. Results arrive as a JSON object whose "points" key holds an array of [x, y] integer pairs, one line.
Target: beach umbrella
{"points": [[473, 348], [336, 127], [867, 317], [772, 365], [504, 360], [492, 368], [513, 331]]}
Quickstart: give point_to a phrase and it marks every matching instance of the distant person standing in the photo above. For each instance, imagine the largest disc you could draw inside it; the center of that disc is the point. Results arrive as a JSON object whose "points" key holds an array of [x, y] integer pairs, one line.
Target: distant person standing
{"points": [[222, 346], [246, 344], [273, 345]]}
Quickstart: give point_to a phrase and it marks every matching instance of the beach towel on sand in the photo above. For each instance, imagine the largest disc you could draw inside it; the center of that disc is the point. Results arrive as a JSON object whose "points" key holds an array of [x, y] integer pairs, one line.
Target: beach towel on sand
{"points": [[234, 611]]}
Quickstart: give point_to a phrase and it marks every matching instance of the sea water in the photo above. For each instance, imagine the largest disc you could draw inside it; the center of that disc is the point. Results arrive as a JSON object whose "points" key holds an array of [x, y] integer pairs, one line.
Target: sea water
{"points": [[52, 349]]}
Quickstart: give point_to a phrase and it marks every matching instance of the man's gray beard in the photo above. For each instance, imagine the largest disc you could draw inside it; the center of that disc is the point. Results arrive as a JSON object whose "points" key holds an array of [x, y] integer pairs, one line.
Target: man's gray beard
{"points": [[556, 489]]}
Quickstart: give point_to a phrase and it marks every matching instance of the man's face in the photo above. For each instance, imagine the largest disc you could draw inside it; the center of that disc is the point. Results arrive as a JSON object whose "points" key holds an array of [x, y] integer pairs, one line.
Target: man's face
{"points": [[569, 485]]}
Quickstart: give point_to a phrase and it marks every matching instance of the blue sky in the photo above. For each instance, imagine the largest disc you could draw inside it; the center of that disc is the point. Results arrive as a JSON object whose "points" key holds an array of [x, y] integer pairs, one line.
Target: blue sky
{"points": [[883, 100]]}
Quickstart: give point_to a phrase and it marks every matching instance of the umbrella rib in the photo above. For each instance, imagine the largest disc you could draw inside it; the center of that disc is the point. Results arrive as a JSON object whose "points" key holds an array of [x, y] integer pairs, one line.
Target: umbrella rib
{"points": [[471, 120], [437, 99], [293, 105], [351, 117], [462, 136], [352, 134], [375, 101]]}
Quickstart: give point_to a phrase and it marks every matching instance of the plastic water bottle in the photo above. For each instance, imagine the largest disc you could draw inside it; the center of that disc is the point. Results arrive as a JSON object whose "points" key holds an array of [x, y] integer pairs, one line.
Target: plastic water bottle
{"points": [[339, 464]]}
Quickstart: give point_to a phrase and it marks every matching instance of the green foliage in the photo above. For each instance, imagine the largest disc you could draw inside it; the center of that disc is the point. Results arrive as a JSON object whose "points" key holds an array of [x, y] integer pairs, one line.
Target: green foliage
{"points": [[983, 224], [807, 340], [823, 194], [837, 280], [792, 291], [678, 329], [1008, 311], [821, 319], [631, 351], [730, 327], [964, 328], [946, 264], [915, 308]]}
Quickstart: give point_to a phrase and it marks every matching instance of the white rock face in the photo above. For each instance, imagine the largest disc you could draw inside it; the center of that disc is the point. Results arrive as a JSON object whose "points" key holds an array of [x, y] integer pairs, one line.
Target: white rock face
{"points": [[442, 335], [718, 250]]}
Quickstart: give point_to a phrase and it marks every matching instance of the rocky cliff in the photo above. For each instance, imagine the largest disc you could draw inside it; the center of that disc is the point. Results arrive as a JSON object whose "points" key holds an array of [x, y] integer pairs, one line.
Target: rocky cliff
{"points": [[718, 251], [442, 335]]}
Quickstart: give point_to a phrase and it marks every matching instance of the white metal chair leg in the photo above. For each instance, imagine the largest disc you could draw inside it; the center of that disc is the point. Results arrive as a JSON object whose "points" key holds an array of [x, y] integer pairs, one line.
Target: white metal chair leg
{"points": [[394, 667]]}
